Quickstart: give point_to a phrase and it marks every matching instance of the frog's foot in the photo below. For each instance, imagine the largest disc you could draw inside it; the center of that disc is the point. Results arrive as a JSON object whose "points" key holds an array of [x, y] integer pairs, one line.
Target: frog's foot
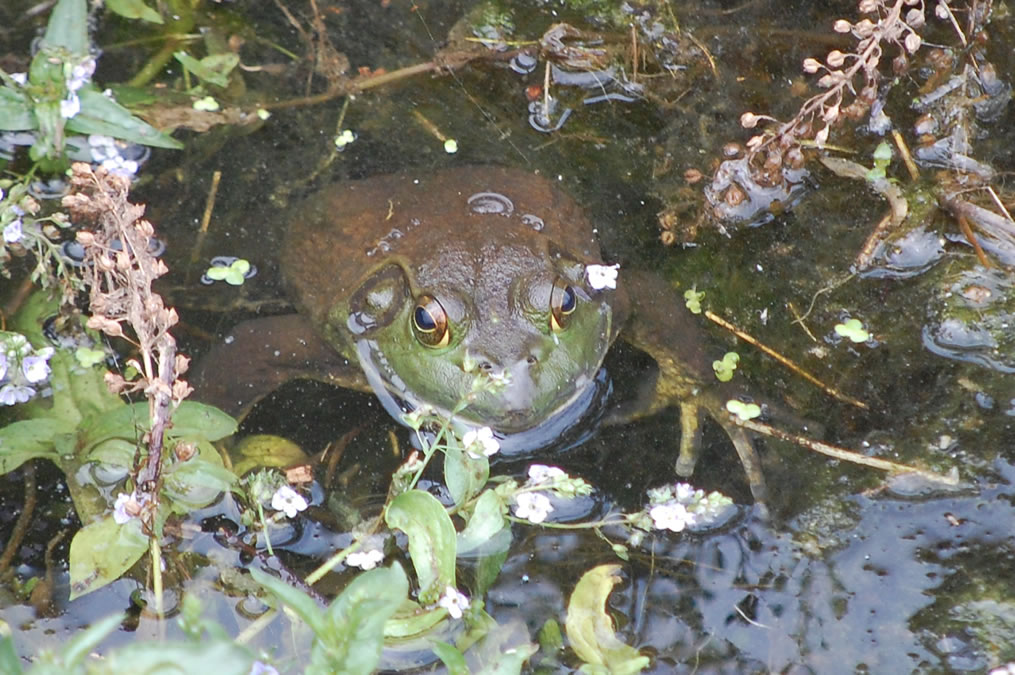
{"points": [[692, 412], [260, 355]]}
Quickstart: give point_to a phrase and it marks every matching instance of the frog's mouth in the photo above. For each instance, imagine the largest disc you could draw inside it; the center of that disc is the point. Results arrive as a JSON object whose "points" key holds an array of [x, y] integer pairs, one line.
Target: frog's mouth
{"points": [[519, 431]]}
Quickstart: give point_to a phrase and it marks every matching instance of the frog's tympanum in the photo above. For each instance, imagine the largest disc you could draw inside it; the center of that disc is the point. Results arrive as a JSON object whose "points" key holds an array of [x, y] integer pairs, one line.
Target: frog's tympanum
{"points": [[410, 285]]}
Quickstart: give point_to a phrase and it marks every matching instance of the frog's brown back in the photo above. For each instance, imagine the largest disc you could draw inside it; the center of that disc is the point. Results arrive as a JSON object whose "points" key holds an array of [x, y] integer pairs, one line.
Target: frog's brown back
{"points": [[344, 232]]}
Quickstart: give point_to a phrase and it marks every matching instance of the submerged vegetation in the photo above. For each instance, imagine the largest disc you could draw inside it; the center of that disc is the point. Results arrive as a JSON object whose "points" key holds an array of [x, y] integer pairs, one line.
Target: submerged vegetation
{"points": [[165, 498]]}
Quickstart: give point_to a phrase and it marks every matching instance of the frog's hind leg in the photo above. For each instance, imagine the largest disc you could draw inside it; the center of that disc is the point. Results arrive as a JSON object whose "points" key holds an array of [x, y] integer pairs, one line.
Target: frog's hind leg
{"points": [[747, 452]]}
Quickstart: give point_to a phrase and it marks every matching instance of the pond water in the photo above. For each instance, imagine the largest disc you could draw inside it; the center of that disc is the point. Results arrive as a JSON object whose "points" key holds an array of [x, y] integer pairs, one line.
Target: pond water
{"points": [[852, 572]]}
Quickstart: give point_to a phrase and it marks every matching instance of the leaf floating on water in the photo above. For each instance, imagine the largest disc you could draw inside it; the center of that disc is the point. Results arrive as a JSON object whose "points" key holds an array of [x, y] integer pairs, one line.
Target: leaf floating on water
{"points": [[590, 629]]}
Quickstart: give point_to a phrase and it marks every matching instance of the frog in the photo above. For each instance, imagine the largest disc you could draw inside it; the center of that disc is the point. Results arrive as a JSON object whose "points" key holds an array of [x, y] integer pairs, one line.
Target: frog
{"points": [[411, 285]]}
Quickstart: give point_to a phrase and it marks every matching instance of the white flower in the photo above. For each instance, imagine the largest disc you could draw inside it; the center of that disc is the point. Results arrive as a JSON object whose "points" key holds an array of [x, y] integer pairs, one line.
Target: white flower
{"points": [[12, 232], [102, 147], [532, 506], [671, 516], [541, 474], [454, 602], [685, 492], [602, 276], [80, 74], [125, 508], [288, 500], [366, 560], [480, 442], [35, 368], [11, 394], [120, 166], [70, 106], [20, 78]]}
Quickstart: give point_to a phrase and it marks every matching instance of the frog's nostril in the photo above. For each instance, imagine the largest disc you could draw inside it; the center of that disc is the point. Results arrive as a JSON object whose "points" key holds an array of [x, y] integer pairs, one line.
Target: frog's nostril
{"points": [[532, 360], [486, 366]]}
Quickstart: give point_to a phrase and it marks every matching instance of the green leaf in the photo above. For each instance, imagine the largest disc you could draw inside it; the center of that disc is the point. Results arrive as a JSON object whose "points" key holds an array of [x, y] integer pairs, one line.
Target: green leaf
{"points": [[102, 551], [84, 643], [221, 657], [494, 553], [432, 540], [29, 439], [102, 115], [487, 520], [16, 111], [133, 9], [197, 483], [590, 628], [299, 602], [464, 476], [212, 69], [68, 27], [453, 659], [355, 635], [198, 421], [10, 664]]}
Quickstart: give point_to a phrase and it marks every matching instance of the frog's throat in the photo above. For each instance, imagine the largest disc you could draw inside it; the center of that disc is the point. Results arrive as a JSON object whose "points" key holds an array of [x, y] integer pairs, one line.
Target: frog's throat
{"points": [[568, 425]]}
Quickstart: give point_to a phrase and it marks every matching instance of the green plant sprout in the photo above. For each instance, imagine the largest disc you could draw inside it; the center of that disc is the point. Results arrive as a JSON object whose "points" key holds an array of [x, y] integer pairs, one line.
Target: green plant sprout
{"points": [[724, 368], [692, 300], [744, 411], [882, 158], [853, 330]]}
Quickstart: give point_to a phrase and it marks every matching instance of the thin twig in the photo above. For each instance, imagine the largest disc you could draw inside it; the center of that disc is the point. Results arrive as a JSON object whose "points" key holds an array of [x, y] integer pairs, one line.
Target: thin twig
{"points": [[24, 519], [831, 391]]}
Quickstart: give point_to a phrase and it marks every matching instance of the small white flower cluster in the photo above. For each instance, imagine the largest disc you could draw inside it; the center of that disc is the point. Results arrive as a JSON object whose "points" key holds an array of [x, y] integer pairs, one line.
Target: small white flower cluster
{"points": [[365, 560], [1006, 669], [602, 276], [677, 507], [105, 151], [456, 603], [480, 442], [14, 229], [288, 501], [76, 75], [22, 368], [533, 504]]}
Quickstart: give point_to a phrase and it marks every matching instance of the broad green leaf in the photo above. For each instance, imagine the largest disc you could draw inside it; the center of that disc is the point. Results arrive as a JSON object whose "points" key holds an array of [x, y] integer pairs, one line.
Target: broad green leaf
{"points": [[590, 629], [494, 553], [212, 69], [453, 659], [413, 621], [196, 483], [68, 27], [197, 421], [299, 602], [84, 643], [102, 551], [134, 9], [464, 476], [221, 657], [10, 664], [432, 540], [15, 111], [102, 115], [487, 520], [28, 439], [355, 635]]}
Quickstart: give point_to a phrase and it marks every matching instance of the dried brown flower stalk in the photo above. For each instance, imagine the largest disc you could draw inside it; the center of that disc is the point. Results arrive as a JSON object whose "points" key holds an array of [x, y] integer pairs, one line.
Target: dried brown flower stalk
{"points": [[119, 271]]}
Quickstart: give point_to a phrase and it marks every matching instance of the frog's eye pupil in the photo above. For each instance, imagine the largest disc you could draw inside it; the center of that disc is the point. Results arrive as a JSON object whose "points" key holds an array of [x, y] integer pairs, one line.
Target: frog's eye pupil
{"points": [[569, 302], [430, 322], [424, 321], [563, 301]]}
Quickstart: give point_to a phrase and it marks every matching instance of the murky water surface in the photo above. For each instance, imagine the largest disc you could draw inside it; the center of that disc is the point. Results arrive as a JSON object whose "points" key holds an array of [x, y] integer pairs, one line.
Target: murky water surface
{"points": [[851, 574]]}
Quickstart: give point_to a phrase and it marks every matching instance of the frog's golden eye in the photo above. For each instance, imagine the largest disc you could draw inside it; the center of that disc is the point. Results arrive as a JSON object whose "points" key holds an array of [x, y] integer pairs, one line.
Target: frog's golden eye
{"points": [[563, 301], [430, 322]]}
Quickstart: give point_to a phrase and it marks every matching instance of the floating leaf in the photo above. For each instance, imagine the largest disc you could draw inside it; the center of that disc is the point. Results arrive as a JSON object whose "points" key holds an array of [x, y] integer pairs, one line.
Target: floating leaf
{"points": [[724, 369], [102, 551], [212, 69], [692, 299], [745, 411], [432, 540], [89, 357], [853, 330], [590, 628], [134, 9]]}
